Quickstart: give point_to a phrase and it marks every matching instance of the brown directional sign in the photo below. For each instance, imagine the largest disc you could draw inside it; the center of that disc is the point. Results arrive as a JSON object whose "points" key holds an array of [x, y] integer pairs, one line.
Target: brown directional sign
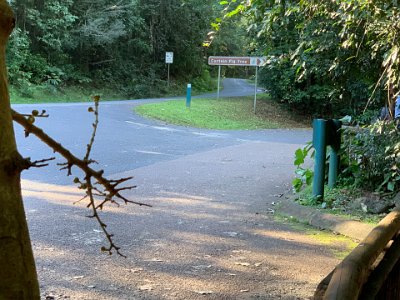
{"points": [[237, 61]]}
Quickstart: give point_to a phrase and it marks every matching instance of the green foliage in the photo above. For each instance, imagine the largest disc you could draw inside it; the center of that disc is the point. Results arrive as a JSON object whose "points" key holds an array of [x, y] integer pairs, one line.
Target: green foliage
{"points": [[102, 42], [329, 58], [204, 82], [371, 157], [45, 94], [305, 175]]}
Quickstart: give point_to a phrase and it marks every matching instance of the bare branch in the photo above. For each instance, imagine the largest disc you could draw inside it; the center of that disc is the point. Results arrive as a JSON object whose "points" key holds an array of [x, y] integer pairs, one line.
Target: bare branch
{"points": [[41, 163], [95, 124], [97, 217], [107, 189], [35, 113]]}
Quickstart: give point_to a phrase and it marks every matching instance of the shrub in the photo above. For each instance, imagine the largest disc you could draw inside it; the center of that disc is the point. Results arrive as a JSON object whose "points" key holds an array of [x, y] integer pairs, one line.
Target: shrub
{"points": [[371, 157]]}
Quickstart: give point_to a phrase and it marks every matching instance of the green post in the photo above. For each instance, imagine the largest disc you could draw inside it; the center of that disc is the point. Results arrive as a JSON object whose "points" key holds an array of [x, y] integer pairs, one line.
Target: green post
{"points": [[188, 95], [334, 159], [333, 167], [319, 143]]}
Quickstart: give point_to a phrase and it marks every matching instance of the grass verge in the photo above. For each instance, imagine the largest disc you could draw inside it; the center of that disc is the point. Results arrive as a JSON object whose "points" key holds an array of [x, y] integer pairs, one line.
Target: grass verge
{"points": [[339, 201], [339, 245], [227, 113], [49, 94], [66, 95]]}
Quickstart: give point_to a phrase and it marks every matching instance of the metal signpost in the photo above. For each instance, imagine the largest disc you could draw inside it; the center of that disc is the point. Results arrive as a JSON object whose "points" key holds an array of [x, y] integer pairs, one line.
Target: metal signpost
{"points": [[169, 59], [238, 61], [219, 80]]}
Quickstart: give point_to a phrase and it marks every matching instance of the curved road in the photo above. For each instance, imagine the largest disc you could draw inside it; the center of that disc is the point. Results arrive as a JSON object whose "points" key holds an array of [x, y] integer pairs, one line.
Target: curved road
{"points": [[127, 141], [209, 235]]}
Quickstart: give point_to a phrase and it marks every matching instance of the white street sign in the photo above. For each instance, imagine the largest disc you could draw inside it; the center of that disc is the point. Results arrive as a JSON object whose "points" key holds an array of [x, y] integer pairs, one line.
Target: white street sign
{"points": [[169, 57], [237, 61]]}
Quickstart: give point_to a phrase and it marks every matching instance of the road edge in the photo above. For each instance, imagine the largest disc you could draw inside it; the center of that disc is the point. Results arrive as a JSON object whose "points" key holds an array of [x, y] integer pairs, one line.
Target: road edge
{"points": [[316, 218]]}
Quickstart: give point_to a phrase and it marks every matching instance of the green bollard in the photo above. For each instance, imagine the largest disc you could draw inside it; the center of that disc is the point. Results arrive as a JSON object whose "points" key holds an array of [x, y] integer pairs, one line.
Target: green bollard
{"points": [[188, 95], [319, 143], [333, 167], [334, 159]]}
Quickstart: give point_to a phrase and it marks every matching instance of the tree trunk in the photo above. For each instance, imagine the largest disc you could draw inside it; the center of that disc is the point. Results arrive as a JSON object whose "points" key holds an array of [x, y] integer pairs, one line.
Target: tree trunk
{"points": [[18, 279]]}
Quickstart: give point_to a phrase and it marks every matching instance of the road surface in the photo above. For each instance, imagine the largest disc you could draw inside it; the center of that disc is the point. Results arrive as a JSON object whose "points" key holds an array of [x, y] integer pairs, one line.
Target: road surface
{"points": [[211, 233]]}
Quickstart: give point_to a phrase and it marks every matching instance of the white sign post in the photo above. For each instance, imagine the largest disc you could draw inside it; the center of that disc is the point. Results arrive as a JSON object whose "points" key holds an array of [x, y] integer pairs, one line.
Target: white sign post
{"points": [[169, 59], [238, 61]]}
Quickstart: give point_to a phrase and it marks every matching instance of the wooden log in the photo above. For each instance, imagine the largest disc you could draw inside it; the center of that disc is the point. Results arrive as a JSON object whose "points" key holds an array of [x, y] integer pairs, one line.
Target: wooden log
{"points": [[350, 275], [380, 274], [322, 286]]}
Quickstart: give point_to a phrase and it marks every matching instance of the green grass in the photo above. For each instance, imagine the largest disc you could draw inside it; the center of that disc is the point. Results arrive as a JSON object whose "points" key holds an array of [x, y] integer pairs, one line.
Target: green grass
{"points": [[227, 113], [65, 95]]}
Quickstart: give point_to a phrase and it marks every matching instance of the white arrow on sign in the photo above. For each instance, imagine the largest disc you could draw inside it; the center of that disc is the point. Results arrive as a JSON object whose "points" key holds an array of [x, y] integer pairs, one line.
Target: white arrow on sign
{"points": [[258, 61]]}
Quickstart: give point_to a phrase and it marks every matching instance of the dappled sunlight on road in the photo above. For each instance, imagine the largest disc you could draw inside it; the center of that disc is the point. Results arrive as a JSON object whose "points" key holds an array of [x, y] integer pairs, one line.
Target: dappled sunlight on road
{"points": [[30, 186], [299, 237], [186, 247], [53, 196]]}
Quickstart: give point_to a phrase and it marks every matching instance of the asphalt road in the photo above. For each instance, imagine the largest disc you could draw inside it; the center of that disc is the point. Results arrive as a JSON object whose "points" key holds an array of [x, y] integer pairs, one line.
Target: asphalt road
{"points": [[211, 233], [126, 141]]}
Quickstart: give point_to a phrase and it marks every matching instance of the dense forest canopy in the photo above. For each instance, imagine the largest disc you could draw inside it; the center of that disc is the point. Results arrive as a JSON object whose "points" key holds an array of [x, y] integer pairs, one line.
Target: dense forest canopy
{"points": [[329, 57], [120, 43]]}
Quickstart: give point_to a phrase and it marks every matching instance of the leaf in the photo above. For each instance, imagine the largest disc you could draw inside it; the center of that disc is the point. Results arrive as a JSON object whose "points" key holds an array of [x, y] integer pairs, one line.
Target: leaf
{"points": [[299, 157], [300, 172], [309, 177], [215, 26], [297, 184]]}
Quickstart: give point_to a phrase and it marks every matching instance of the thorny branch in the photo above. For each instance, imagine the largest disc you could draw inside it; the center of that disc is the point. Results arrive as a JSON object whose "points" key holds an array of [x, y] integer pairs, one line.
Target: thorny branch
{"points": [[108, 190], [41, 163]]}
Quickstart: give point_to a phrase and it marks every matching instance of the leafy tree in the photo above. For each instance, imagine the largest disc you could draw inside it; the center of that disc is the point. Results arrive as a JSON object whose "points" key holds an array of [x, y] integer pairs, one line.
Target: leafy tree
{"points": [[333, 57], [119, 43]]}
